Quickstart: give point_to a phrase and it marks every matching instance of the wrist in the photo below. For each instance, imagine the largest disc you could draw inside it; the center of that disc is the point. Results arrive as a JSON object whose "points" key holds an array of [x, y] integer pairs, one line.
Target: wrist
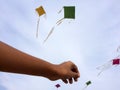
{"points": [[53, 73]]}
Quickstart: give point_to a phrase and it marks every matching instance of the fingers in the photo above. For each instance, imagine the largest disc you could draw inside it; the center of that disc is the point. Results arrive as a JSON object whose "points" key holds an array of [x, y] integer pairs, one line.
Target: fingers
{"points": [[75, 76], [75, 79], [70, 80], [72, 77], [75, 72], [65, 81], [71, 72]]}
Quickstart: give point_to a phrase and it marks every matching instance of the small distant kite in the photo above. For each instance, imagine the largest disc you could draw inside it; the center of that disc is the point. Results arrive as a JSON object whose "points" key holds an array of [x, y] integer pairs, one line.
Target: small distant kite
{"points": [[108, 65], [87, 84], [116, 61], [69, 13], [40, 10], [57, 85]]}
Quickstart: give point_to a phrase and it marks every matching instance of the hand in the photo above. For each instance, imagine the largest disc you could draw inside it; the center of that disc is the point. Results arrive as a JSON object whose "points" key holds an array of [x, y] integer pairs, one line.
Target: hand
{"points": [[67, 71]]}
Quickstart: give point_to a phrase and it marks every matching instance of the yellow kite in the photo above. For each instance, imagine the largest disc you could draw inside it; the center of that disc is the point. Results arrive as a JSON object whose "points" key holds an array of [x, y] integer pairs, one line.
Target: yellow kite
{"points": [[40, 10]]}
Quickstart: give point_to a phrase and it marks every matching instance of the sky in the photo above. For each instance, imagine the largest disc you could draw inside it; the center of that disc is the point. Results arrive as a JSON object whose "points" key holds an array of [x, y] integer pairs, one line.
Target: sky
{"points": [[90, 40]]}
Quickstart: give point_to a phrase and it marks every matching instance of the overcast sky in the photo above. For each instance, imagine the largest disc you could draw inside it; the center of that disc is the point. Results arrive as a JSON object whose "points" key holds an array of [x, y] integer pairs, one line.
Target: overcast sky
{"points": [[89, 41]]}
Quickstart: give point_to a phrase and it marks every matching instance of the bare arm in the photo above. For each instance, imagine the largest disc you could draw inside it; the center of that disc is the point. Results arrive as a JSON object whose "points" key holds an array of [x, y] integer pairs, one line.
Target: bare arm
{"points": [[15, 61]]}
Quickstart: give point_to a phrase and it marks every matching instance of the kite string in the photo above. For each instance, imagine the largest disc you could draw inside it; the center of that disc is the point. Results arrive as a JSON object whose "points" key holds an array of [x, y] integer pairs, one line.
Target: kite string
{"points": [[37, 27]]}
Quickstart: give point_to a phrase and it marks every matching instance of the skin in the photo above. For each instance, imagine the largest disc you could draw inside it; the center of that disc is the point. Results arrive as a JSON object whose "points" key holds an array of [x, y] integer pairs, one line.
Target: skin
{"points": [[15, 61]]}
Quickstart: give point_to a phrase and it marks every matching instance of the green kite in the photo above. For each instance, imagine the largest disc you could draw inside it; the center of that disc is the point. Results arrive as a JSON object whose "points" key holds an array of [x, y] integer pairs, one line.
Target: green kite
{"points": [[69, 13]]}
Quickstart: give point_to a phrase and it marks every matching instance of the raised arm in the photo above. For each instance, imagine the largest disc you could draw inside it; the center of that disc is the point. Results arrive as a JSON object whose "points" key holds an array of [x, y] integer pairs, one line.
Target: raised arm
{"points": [[15, 61]]}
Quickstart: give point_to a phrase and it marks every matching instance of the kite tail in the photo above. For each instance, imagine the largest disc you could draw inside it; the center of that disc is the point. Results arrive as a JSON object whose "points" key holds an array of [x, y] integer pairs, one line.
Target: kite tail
{"points": [[84, 88], [118, 56], [49, 34], [104, 67], [51, 31], [60, 11], [45, 16], [37, 27], [59, 21], [118, 48], [100, 73]]}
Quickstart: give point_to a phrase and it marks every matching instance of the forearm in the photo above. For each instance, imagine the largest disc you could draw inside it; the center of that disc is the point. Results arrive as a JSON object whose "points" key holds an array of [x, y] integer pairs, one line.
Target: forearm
{"points": [[13, 60]]}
